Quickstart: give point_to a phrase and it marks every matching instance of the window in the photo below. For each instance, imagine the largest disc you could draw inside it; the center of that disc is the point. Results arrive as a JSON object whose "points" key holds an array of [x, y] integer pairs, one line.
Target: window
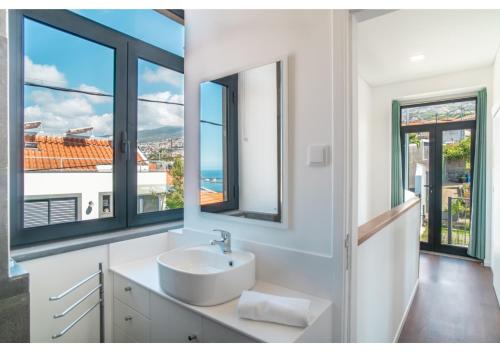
{"points": [[40, 212], [219, 144], [94, 103], [213, 122], [105, 204], [445, 112]]}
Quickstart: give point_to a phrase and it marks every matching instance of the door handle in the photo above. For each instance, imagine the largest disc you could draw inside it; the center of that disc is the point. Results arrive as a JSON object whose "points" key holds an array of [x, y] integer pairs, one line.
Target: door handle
{"points": [[125, 145]]}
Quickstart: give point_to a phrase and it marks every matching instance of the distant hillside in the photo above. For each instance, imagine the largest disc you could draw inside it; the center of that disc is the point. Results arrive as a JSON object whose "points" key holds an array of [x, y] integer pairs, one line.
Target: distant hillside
{"points": [[160, 134]]}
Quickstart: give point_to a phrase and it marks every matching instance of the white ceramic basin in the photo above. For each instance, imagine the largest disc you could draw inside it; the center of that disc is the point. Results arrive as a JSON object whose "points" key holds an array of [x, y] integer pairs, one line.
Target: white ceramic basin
{"points": [[204, 276]]}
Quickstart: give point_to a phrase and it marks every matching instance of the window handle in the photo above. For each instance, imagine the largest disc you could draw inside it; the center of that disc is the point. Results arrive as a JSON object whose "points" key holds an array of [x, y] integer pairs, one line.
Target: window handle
{"points": [[125, 145]]}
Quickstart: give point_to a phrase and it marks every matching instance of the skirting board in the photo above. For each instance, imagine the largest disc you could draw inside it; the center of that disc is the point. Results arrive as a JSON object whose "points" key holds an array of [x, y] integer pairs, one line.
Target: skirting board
{"points": [[405, 315]]}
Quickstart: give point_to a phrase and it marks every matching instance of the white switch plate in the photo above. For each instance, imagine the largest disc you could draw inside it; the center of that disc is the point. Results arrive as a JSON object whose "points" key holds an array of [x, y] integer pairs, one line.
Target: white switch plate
{"points": [[317, 155]]}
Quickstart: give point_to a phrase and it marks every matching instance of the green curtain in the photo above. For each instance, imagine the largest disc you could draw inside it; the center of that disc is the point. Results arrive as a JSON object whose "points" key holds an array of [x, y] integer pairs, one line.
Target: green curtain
{"points": [[397, 193], [478, 217]]}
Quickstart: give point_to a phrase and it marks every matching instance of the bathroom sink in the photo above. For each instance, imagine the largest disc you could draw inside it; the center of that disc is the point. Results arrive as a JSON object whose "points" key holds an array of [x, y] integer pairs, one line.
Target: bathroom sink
{"points": [[204, 276]]}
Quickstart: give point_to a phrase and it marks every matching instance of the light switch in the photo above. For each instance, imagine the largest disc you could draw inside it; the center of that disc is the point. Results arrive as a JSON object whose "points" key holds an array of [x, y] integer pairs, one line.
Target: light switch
{"points": [[317, 155]]}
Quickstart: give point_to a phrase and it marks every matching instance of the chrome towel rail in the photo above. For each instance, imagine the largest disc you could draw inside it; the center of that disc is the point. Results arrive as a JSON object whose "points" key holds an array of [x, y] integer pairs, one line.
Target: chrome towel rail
{"points": [[74, 305], [74, 287], [100, 303], [68, 328]]}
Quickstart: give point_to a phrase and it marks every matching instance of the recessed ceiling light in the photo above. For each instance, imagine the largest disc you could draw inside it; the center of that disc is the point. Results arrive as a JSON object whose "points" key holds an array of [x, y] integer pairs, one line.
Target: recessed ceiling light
{"points": [[416, 58]]}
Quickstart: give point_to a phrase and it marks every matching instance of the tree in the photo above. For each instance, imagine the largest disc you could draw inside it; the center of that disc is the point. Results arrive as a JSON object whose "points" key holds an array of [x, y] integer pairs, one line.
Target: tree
{"points": [[175, 197], [458, 151], [414, 139]]}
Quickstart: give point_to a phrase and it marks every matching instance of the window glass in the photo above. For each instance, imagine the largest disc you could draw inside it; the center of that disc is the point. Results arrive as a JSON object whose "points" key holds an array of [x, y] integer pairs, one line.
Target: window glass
{"points": [[160, 138], [212, 148], [68, 122], [147, 25], [439, 113]]}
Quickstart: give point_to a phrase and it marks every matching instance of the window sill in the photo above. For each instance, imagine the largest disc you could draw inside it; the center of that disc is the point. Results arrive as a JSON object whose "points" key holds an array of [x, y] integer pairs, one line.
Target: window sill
{"points": [[47, 249]]}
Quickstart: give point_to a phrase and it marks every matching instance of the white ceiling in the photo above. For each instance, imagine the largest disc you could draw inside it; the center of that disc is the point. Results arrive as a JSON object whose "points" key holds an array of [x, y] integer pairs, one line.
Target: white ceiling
{"points": [[451, 40]]}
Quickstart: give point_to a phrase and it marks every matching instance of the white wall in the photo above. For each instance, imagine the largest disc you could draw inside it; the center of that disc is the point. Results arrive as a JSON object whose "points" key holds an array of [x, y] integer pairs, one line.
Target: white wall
{"points": [[258, 136], [377, 176], [219, 43], [365, 140], [223, 42], [387, 278], [495, 219], [87, 185]]}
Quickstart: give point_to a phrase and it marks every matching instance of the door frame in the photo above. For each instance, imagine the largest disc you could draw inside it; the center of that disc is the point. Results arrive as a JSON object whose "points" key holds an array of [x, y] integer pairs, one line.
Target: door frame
{"points": [[435, 173]]}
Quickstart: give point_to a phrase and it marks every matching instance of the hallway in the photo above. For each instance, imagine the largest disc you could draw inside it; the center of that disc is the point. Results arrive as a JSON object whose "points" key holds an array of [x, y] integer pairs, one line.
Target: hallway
{"points": [[455, 302]]}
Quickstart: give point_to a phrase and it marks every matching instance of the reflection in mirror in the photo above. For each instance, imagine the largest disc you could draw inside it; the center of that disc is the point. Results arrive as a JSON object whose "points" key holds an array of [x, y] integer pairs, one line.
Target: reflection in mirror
{"points": [[241, 144]]}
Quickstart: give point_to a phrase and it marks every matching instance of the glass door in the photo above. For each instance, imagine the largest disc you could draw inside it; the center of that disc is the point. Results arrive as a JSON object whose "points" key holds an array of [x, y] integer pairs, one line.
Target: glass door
{"points": [[418, 175], [438, 158], [454, 204]]}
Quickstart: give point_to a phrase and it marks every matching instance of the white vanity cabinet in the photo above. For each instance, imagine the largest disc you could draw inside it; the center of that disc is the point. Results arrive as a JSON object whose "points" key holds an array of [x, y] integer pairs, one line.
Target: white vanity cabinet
{"points": [[140, 315], [143, 312]]}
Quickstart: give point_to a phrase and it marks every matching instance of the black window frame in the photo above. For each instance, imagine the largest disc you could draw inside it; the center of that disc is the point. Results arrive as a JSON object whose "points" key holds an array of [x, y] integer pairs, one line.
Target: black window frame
{"points": [[123, 163], [230, 142]]}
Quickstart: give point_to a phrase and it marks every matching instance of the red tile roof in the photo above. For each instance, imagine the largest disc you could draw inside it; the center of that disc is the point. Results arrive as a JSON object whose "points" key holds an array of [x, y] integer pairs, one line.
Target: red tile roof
{"points": [[67, 153], [210, 197]]}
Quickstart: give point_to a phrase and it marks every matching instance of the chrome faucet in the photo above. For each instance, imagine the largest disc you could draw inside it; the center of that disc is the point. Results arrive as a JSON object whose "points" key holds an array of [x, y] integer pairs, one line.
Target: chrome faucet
{"points": [[225, 241]]}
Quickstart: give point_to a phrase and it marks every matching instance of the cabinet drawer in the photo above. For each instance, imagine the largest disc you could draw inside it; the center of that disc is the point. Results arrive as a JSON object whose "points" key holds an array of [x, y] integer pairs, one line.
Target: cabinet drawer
{"points": [[132, 323], [172, 323], [119, 336], [131, 294], [213, 332]]}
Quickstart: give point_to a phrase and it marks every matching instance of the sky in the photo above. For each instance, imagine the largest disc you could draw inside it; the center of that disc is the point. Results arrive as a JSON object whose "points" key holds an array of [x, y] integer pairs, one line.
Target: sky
{"points": [[211, 138], [56, 58]]}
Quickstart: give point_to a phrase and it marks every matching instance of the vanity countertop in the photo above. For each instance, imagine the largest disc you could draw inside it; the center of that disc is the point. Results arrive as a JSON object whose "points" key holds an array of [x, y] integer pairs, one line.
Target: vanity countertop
{"points": [[144, 272]]}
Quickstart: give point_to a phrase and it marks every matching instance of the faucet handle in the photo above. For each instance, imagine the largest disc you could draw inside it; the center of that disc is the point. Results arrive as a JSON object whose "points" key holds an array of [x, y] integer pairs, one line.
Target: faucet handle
{"points": [[224, 234]]}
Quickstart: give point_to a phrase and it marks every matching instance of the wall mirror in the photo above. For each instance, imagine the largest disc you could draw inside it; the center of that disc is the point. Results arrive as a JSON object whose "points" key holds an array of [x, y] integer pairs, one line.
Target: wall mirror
{"points": [[241, 144]]}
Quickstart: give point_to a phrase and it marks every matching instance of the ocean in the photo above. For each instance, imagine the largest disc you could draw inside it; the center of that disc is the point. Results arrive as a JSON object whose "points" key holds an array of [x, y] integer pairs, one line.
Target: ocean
{"points": [[212, 180]]}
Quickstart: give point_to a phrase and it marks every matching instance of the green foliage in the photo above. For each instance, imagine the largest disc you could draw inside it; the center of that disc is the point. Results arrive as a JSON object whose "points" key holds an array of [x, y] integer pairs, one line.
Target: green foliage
{"points": [[458, 151], [457, 207], [175, 198], [414, 139]]}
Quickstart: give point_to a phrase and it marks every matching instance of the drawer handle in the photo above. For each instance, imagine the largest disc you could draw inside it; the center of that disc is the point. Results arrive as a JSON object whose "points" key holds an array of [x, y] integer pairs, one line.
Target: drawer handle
{"points": [[192, 338], [128, 289], [128, 318]]}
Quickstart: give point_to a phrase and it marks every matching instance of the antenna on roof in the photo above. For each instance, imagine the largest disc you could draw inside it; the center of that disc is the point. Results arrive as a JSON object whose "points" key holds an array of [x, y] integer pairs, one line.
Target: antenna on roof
{"points": [[79, 131]]}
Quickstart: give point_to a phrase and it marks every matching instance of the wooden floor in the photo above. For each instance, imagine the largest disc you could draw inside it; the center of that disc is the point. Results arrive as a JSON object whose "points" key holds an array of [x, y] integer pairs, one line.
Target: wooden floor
{"points": [[455, 302]]}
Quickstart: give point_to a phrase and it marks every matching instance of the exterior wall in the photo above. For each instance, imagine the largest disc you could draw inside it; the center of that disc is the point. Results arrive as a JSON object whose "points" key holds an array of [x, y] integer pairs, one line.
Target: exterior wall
{"points": [[378, 174], [87, 185]]}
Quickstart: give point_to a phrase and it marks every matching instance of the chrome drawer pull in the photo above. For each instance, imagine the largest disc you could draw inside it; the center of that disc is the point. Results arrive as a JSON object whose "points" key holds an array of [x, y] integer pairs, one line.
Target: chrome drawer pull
{"points": [[128, 318], [128, 289]]}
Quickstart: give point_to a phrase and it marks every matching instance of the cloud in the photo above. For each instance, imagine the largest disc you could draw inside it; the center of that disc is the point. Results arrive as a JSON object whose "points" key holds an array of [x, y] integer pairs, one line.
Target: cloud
{"points": [[163, 75], [155, 115], [94, 98], [60, 111], [48, 74]]}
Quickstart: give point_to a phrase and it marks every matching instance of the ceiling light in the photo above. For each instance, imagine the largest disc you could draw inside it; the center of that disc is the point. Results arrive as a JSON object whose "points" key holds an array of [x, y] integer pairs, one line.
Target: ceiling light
{"points": [[416, 58]]}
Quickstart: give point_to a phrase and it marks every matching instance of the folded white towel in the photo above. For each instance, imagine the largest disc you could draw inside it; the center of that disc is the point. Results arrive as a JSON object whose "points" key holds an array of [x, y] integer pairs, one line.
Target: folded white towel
{"points": [[277, 309]]}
